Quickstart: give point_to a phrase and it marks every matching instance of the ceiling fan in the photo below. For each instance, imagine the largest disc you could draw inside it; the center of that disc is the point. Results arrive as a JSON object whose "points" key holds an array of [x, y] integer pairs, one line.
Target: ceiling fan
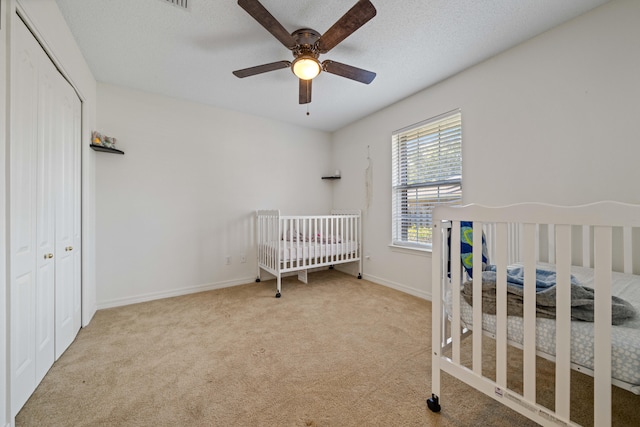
{"points": [[307, 45]]}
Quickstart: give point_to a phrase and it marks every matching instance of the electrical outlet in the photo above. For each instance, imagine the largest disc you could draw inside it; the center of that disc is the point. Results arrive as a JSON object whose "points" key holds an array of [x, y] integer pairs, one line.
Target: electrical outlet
{"points": [[227, 260]]}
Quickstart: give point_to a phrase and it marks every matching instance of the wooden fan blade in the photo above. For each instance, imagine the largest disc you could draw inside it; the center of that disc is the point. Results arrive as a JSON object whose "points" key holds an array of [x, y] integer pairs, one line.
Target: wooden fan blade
{"points": [[264, 18], [259, 69], [348, 71], [355, 18], [305, 92]]}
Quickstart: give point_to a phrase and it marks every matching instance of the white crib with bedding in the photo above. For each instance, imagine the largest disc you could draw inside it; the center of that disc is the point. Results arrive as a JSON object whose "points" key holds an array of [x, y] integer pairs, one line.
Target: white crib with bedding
{"points": [[299, 243], [589, 245]]}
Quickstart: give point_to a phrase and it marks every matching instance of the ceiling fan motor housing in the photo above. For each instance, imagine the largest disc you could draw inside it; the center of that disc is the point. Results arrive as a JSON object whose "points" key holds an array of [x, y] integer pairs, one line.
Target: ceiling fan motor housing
{"points": [[306, 39]]}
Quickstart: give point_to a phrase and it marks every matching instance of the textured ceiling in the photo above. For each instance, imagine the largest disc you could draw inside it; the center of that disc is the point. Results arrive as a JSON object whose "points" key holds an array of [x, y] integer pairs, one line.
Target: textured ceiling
{"points": [[154, 46]]}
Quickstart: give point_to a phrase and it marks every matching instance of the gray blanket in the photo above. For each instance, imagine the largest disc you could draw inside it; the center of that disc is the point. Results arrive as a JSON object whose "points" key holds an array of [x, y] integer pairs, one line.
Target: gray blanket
{"points": [[582, 301]]}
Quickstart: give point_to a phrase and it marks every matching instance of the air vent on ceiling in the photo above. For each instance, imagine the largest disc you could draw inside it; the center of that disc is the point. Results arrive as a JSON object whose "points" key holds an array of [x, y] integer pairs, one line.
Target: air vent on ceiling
{"points": [[183, 4]]}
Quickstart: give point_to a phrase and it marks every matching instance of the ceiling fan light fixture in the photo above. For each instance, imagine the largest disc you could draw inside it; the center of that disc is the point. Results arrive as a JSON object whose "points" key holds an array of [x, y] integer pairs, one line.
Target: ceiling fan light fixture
{"points": [[306, 67]]}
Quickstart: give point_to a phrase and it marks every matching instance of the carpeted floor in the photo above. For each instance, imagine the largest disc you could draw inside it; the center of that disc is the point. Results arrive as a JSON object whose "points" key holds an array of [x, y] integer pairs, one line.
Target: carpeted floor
{"points": [[335, 352]]}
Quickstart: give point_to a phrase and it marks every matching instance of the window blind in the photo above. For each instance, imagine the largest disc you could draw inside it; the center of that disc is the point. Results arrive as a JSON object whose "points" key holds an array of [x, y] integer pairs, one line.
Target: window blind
{"points": [[427, 171]]}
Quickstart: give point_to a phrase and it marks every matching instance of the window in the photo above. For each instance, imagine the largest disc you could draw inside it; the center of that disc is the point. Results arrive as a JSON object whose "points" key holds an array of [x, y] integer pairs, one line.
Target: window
{"points": [[427, 171]]}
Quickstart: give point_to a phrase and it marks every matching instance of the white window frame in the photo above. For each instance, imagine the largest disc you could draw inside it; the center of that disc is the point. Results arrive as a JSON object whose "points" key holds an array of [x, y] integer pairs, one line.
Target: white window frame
{"points": [[419, 185]]}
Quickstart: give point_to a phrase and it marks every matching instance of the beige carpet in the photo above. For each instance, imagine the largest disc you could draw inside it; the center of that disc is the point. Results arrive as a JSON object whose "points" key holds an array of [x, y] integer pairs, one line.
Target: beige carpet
{"points": [[336, 352]]}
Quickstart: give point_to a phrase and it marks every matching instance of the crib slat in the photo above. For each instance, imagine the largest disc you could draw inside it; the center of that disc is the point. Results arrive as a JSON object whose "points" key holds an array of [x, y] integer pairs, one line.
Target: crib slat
{"points": [[445, 268], [437, 313], [313, 244], [337, 240], [317, 238], [302, 238], [455, 289], [501, 303], [477, 297], [286, 243], [346, 236], [602, 330], [563, 319], [341, 230], [529, 351]]}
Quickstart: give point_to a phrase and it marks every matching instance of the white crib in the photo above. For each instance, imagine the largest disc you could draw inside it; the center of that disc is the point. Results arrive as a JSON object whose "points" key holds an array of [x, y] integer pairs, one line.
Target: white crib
{"points": [[299, 243], [592, 243]]}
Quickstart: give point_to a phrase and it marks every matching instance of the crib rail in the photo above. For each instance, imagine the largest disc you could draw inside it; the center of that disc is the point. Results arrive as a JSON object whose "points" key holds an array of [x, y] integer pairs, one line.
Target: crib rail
{"points": [[530, 233]]}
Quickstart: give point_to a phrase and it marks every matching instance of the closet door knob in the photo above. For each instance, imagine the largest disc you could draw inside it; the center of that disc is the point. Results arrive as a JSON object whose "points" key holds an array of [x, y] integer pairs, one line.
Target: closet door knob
{"points": [[68, 248], [48, 256]]}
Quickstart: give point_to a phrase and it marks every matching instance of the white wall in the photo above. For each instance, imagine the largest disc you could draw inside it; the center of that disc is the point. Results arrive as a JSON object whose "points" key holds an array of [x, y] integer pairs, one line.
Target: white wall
{"points": [[552, 120], [46, 22], [183, 196]]}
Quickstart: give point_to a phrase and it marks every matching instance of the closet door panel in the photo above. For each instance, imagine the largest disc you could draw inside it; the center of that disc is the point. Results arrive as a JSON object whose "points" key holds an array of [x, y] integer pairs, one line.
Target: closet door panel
{"points": [[45, 228], [77, 217], [66, 214], [23, 212]]}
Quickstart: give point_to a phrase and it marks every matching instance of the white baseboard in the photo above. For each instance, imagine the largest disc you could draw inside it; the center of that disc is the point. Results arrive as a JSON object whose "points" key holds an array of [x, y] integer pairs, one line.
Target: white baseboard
{"points": [[211, 286], [174, 293], [399, 287]]}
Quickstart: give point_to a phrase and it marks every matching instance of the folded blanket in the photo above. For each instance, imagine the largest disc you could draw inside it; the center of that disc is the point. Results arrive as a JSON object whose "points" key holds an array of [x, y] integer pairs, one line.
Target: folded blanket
{"points": [[582, 300], [545, 279]]}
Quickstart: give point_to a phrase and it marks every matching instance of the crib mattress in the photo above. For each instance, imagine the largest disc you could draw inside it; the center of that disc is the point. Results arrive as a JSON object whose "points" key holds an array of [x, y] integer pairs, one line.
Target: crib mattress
{"points": [[307, 250], [625, 338]]}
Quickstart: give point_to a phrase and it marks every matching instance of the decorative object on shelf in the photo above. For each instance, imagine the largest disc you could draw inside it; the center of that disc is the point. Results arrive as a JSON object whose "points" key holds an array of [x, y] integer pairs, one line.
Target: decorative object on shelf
{"points": [[104, 143]]}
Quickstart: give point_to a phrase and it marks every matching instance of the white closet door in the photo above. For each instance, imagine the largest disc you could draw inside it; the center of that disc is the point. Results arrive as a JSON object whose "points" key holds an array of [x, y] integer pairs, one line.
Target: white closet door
{"points": [[67, 219], [45, 238], [30, 270]]}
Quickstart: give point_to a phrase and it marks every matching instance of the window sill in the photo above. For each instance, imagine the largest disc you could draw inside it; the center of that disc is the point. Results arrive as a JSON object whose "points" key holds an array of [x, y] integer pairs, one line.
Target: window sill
{"points": [[411, 250]]}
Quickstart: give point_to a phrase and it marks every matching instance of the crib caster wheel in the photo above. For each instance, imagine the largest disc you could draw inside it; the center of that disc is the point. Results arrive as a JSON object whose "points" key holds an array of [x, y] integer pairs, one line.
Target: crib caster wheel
{"points": [[258, 280], [331, 267], [433, 404], [359, 276], [278, 295]]}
